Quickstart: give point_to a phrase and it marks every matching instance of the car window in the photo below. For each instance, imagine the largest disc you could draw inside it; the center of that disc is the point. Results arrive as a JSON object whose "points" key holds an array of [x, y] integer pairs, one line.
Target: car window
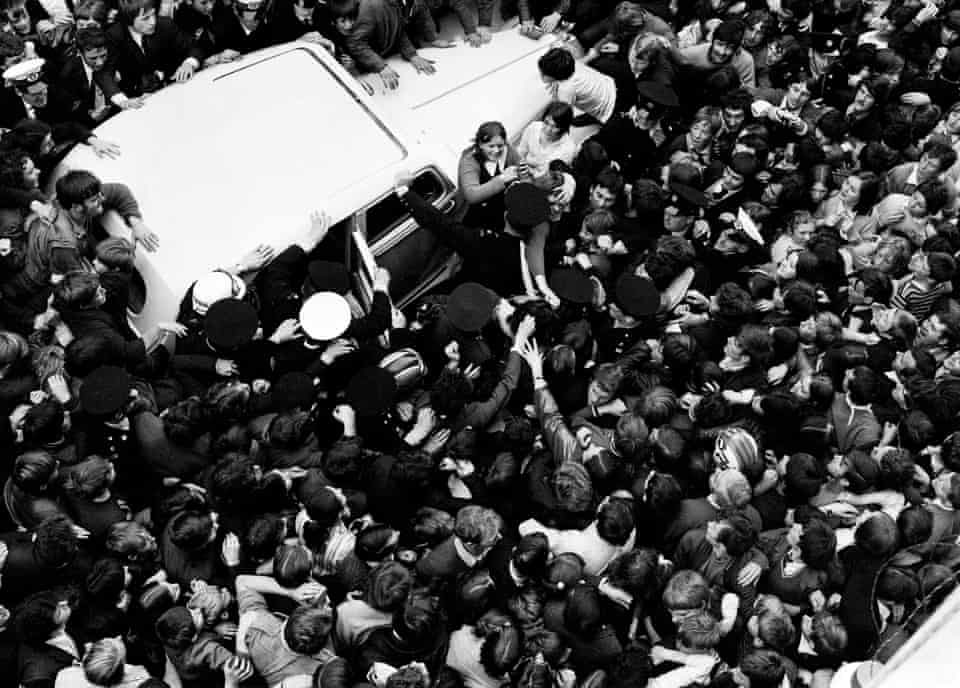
{"points": [[389, 212]]}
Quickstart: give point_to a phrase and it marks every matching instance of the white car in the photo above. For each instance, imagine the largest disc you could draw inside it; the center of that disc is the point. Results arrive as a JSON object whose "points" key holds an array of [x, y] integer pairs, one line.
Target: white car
{"points": [[242, 153]]}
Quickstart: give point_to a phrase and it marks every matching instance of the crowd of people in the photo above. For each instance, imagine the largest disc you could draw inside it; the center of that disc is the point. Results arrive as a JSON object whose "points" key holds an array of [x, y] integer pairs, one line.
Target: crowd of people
{"points": [[684, 417]]}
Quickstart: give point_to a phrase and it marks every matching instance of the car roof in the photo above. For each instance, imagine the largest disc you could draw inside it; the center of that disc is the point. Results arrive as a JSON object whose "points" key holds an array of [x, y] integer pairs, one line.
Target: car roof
{"points": [[215, 175], [495, 82]]}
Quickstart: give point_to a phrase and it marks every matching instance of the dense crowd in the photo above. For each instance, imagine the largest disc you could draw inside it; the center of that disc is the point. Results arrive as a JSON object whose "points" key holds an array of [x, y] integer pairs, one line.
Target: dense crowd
{"points": [[684, 417]]}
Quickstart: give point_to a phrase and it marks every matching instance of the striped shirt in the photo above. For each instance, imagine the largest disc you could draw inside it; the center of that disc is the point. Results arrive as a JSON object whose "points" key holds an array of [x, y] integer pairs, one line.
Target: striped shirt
{"points": [[914, 297]]}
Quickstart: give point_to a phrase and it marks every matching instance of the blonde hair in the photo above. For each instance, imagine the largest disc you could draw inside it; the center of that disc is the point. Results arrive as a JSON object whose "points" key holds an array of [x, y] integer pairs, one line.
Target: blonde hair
{"points": [[103, 663]]}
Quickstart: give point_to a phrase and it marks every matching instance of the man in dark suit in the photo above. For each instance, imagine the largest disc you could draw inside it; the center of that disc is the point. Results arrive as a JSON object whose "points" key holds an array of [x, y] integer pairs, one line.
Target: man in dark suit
{"points": [[149, 51], [88, 82]]}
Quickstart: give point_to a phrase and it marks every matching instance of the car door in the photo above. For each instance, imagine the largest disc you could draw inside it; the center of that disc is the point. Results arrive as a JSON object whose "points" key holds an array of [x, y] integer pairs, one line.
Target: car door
{"points": [[416, 259]]}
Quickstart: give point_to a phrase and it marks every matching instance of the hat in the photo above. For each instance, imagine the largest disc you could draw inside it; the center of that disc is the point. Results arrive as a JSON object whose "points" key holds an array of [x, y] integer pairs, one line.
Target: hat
{"points": [[214, 286], [735, 448], [371, 391], [24, 73], [105, 391], [637, 296], [658, 93], [230, 323], [687, 198], [527, 205], [293, 389], [325, 316], [827, 43], [406, 366], [572, 285], [470, 306], [325, 275]]}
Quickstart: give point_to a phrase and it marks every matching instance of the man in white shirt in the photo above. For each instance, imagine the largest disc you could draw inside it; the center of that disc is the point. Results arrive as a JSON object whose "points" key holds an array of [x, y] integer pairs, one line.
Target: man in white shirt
{"points": [[583, 87]]}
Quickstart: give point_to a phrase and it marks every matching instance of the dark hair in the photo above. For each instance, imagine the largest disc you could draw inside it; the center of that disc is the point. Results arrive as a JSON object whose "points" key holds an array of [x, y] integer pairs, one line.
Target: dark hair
{"points": [[488, 131], [818, 544], [264, 534], [87, 353], [32, 471], [935, 193], [739, 535], [419, 618], [915, 525], [615, 522], [862, 385], [131, 9], [583, 614], [90, 38], [55, 544], [729, 31], [764, 668], [501, 651], [557, 63], [877, 536], [36, 617], [89, 478], [77, 186], [450, 393], [562, 115], [191, 530], [77, 289], [941, 150], [292, 565], [307, 629], [530, 555], [345, 9]]}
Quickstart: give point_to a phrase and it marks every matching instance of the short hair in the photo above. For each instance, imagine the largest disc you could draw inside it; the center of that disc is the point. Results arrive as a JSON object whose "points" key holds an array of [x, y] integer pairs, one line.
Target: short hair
{"points": [[175, 628], [942, 266], [77, 289], [599, 221], [190, 530], [609, 179], [419, 618], [686, 590], [292, 565], [345, 9], [530, 555], [862, 385], [87, 353], [876, 285], [940, 149], [935, 194], [561, 113], [89, 478], [738, 99], [818, 544], [91, 38], [478, 525], [307, 629], [129, 10], [55, 543], [32, 471], [388, 586], [757, 343], [615, 522], [407, 677], [128, 539], [699, 631], [738, 535], [764, 668], [103, 662], [828, 635], [557, 63], [800, 299], [11, 45], [501, 650], [116, 253], [36, 617], [729, 31], [775, 628], [77, 186], [13, 347], [263, 536], [877, 536]]}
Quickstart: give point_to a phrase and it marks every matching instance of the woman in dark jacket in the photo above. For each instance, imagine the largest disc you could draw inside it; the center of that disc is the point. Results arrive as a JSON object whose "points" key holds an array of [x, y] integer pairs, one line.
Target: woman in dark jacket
{"points": [[485, 171]]}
